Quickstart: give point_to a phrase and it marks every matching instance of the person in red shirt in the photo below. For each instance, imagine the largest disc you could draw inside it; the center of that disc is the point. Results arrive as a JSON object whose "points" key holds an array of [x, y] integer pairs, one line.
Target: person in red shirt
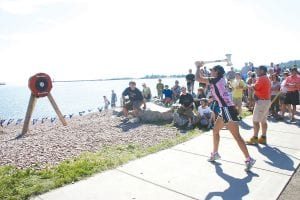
{"points": [[262, 96], [292, 96]]}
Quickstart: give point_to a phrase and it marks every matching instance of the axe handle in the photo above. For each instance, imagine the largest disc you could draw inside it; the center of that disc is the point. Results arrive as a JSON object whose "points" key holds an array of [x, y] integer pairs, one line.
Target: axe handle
{"points": [[213, 61], [277, 95]]}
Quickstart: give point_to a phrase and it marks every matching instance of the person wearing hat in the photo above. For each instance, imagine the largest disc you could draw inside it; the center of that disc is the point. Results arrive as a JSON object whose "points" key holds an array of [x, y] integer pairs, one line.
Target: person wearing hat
{"points": [[292, 96], [262, 96], [229, 114]]}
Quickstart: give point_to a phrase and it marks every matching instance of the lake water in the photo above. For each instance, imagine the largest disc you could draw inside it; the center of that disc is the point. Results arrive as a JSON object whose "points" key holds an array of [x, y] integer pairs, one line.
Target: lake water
{"points": [[71, 97]]}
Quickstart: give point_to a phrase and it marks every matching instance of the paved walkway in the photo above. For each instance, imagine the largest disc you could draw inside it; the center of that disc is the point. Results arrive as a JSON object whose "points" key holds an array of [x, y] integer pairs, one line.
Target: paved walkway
{"points": [[182, 172]]}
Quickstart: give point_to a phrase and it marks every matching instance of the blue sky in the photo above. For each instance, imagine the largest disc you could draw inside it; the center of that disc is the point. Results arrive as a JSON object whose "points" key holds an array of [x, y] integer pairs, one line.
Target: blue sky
{"points": [[87, 39]]}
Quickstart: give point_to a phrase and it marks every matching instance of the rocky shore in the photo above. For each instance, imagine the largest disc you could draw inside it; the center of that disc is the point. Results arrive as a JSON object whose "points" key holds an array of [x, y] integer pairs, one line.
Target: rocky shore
{"points": [[49, 143]]}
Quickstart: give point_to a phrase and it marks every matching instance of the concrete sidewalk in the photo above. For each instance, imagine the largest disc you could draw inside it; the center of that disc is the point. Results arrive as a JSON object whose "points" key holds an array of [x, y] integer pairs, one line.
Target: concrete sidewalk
{"points": [[182, 172]]}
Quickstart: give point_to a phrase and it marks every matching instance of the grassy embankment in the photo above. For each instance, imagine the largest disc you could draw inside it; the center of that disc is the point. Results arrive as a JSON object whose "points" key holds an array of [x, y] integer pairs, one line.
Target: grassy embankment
{"points": [[23, 183]]}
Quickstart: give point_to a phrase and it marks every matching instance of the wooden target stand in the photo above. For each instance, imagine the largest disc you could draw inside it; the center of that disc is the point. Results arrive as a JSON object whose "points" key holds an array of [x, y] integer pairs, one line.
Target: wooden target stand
{"points": [[40, 86]]}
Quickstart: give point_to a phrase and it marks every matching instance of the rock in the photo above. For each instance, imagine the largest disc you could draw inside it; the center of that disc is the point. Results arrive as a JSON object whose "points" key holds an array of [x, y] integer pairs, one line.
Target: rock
{"points": [[148, 116]]}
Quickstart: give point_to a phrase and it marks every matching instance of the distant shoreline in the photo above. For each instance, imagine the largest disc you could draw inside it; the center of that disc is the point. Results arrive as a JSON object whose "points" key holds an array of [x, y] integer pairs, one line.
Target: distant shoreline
{"points": [[125, 78], [85, 80]]}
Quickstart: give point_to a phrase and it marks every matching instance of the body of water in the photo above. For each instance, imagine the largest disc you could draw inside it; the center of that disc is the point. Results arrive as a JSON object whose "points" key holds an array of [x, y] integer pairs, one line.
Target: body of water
{"points": [[71, 97]]}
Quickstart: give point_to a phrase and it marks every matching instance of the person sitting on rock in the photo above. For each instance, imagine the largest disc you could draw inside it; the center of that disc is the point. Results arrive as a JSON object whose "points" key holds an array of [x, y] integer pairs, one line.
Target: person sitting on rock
{"points": [[167, 95], [176, 90], [136, 99], [186, 102], [146, 92], [205, 114]]}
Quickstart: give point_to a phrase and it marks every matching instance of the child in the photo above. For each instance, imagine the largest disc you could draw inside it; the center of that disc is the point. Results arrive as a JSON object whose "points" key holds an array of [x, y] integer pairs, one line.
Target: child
{"points": [[168, 95], [106, 102], [207, 116]]}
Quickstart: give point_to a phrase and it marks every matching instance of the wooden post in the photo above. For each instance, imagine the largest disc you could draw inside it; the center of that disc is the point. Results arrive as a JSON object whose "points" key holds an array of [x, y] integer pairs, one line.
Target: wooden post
{"points": [[54, 105], [30, 107]]}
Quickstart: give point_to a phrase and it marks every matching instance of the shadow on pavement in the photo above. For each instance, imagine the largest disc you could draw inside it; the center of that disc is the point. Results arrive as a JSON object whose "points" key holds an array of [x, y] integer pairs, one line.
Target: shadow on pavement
{"points": [[277, 158], [237, 187], [244, 125]]}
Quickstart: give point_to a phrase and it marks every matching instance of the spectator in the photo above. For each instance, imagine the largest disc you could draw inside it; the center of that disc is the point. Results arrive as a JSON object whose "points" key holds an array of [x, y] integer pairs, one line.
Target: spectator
{"points": [[250, 90], [230, 74], [146, 92], [200, 94], [251, 66], [205, 114], [113, 99], [167, 95], [244, 71], [186, 102], [176, 90], [275, 89], [136, 99], [262, 95], [283, 90], [238, 86], [292, 96], [159, 88], [190, 81], [277, 69], [214, 106], [106, 103]]}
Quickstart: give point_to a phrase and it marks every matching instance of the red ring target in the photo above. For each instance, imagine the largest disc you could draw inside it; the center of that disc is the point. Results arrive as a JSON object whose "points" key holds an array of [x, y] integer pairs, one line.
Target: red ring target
{"points": [[40, 84]]}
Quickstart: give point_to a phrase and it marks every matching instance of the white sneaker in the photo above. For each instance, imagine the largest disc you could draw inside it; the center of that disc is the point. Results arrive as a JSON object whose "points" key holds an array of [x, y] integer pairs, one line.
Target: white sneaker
{"points": [[213, 157], [249, 164]]}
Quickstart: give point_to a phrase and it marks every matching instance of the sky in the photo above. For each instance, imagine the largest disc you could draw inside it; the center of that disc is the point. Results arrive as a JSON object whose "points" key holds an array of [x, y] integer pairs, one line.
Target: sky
{"points": [[92, 39]]}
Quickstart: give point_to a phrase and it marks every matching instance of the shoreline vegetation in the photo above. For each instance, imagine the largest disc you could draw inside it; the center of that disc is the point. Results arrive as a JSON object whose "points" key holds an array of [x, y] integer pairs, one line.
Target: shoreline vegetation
{"points": [[51, 155]]}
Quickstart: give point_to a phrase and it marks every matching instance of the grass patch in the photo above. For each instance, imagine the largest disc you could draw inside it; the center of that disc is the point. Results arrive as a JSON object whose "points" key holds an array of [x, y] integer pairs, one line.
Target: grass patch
{"points": [[245, 113], [18, 184]]}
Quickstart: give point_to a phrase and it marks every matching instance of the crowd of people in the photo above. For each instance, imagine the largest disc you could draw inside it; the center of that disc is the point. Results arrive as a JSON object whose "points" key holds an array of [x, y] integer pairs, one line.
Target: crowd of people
{"points": [[284, 91], [266, 91]]}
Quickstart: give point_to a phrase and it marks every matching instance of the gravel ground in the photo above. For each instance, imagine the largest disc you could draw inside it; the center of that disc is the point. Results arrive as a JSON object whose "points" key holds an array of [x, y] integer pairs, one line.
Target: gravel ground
{"points": [[48, 144]]}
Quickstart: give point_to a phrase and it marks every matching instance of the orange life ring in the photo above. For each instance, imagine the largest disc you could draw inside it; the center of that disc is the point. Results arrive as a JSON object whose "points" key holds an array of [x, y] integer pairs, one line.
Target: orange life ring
{"points": [[40, 84]]}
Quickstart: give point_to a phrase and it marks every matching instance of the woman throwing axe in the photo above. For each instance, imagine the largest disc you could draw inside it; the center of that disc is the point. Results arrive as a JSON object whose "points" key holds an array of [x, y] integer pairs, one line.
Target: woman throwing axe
{"points": [[229, 114]]}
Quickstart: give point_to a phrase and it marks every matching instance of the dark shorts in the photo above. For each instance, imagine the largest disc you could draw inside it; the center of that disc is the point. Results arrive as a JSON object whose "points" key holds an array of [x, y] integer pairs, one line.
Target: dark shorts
{"points": [[229, 114], [292, 98]]}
